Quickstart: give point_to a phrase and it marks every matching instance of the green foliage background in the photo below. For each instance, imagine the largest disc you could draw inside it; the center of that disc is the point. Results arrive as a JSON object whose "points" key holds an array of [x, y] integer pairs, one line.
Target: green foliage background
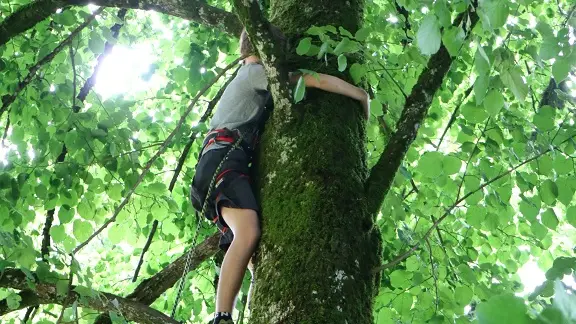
{"points": [[495, 105]]}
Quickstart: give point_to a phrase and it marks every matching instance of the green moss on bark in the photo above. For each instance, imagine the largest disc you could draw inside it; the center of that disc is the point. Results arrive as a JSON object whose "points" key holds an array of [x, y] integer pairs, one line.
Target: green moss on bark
{"points": [[319, 245]]}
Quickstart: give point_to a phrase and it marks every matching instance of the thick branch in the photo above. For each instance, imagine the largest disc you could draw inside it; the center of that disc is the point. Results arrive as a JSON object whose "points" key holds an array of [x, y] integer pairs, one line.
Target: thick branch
{"points": [[46, 293], [152, 288], [271, 54], [8, 99], [28, 299], [415, 109], [26, 17], [199, 11]]}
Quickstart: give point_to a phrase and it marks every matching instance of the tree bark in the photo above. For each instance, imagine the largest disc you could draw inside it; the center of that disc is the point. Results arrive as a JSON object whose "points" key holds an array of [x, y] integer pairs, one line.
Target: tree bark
{"points": [[199, 11], [319, 243], [46, 293]]}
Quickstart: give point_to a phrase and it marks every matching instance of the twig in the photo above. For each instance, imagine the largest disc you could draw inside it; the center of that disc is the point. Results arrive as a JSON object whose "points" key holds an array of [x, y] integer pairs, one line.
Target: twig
{"points": [[8, 99], [471, 156], [406, 254], [6, 128], [70, 281], [146, 247], [155, 157], [453, 117], [72, 54], [45, 248], [30, 313], [406, 14], [433, 269]]}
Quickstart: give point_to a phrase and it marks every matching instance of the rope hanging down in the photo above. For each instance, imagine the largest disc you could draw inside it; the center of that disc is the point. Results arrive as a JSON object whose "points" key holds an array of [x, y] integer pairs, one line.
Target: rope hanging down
{"points": [[190, 253]]}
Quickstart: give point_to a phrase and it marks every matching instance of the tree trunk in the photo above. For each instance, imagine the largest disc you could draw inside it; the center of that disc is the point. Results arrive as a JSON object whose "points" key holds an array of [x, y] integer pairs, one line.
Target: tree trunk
{"points": [[319, 246]]}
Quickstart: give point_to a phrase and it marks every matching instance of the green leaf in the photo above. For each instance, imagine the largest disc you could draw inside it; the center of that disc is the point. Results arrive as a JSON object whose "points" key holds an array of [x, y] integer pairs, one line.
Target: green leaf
{"points": [[549, 219], [300, 90], [549, 48], [480, 87], [82, 230], [13, 300], [403, 304], [473, 113], [482, 62], [493, 102], [304, 46], [6, 180], [58, 233], [443, 13], [545, 119], [453, 38], [157, 188], [116, 234], [41, 191], [357, 71], [560, 69], [345, 32], [451, 165], [346, 46], [502, 309], [342, 62], [571, 215], [65, 214], [539, 230], [363, 33], [463, 295], [98, 133], [512, 78], [493, 13], [401, 279], [376, 107], [428, 36], [548, 192], [96, 43], [565, 190], [85, 209], [430, 165]]}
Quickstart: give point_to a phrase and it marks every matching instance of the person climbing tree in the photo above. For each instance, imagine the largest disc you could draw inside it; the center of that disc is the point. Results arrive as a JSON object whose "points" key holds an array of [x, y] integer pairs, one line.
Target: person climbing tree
{"points": [[223, 166]]}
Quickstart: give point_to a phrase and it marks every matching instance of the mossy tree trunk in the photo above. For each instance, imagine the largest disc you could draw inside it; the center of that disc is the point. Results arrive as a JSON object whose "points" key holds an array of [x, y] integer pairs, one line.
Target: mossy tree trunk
{"points": [[319, 246]]}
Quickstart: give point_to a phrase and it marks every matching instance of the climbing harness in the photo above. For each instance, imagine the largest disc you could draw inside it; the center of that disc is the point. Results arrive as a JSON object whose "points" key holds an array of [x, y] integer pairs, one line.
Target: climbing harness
{"points": [[190, 254]]}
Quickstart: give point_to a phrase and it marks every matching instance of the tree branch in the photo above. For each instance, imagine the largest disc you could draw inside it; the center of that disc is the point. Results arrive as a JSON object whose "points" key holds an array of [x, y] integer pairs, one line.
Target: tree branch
{"points": [[270, 53], [415, 109], [8, 99], [46, 293], [199, 11], [152, 288], [145, 249], [148, 165], [454, 115], [406, 254]]}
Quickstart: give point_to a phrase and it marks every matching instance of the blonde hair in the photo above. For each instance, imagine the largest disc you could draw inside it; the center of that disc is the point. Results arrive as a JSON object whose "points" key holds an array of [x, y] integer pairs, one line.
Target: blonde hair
{"points": [[246, 48]]}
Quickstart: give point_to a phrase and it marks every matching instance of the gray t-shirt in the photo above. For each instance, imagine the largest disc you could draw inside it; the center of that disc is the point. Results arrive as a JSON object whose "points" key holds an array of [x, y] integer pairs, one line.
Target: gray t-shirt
{"points": [[244, 99]]}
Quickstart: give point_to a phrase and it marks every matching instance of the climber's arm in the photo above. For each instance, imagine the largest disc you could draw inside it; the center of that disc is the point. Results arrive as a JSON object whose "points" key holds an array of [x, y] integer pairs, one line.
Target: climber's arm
{"points": [[335, 85]]}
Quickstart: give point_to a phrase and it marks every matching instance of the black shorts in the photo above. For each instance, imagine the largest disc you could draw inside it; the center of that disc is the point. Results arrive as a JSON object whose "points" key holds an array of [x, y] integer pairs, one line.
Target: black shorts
{"points": [[231, 189]]}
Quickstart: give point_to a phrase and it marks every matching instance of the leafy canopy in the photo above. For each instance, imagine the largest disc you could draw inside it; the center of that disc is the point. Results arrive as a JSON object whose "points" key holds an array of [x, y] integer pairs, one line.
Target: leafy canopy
{"points": [[496, 110]]}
